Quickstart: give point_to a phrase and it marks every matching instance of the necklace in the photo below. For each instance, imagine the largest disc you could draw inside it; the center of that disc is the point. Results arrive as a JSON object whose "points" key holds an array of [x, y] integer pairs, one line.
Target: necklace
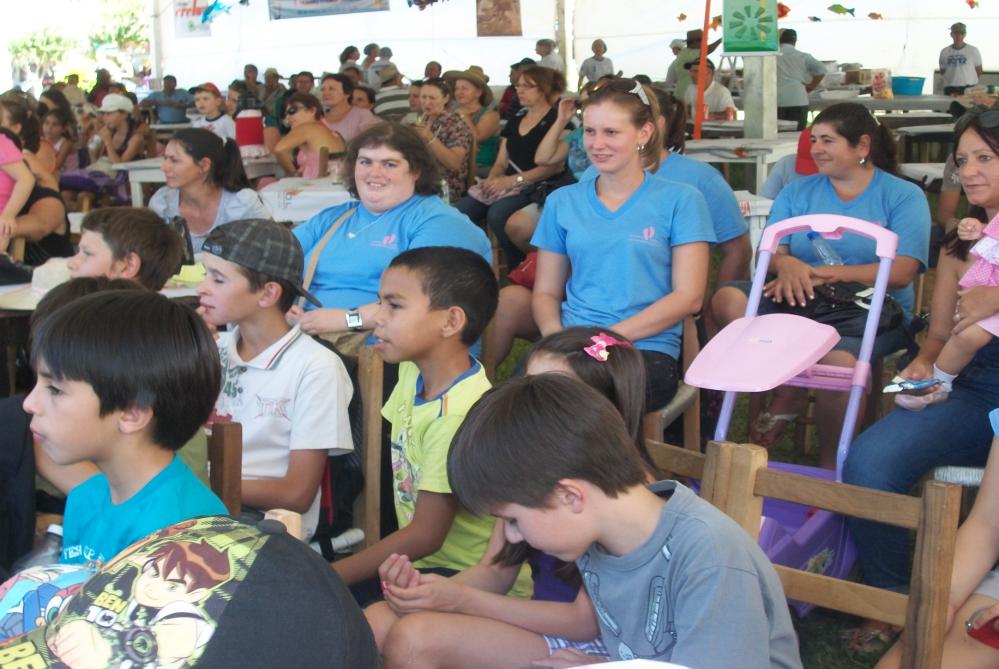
{"points": [[352, 235]]}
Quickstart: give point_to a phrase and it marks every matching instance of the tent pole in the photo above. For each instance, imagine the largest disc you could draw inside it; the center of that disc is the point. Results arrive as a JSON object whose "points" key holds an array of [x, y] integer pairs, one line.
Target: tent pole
{"points": [[699, 100]]}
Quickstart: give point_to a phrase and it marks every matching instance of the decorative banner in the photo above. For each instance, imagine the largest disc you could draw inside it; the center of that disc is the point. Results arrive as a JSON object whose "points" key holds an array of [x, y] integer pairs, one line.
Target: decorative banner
{"points": [[295, 9], [750, 26], [497, 17], [187, 18]]}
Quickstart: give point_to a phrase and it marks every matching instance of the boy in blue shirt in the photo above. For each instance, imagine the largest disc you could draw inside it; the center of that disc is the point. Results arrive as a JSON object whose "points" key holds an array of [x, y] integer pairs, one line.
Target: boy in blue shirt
{"points": [[125, 378]]}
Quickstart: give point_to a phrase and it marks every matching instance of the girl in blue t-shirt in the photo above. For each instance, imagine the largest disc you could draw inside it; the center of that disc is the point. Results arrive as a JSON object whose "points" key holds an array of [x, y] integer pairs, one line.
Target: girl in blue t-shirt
{"points": [[856, 159]]}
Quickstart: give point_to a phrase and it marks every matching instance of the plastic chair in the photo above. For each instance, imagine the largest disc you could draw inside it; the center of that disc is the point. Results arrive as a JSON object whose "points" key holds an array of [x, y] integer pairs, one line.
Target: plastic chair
{"points": [[757, 353]]}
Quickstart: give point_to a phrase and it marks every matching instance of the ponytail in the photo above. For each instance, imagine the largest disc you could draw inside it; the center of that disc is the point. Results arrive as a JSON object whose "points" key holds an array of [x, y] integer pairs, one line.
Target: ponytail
{"points": [[229, 172], [227, 165], [852, 121], [675, 116]]}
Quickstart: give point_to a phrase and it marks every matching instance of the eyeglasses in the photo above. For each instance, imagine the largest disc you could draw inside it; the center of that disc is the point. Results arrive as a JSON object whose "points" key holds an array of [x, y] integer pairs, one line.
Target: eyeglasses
{"points": [[291, 111], [623, 86]]}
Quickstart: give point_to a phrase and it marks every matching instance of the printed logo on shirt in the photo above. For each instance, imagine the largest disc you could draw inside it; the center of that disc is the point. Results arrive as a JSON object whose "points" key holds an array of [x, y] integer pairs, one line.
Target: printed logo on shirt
{"points": [[648, 236], [272, 407], [957, 59], [386, 242]]}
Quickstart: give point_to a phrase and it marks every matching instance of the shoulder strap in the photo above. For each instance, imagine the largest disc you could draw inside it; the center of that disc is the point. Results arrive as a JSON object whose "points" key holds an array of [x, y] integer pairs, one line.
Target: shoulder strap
{"points": [[310, 270]]}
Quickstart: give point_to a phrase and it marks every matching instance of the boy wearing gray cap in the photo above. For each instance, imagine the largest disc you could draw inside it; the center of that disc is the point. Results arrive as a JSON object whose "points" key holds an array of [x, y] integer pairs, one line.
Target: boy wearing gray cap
{"points": [[289, 392]]}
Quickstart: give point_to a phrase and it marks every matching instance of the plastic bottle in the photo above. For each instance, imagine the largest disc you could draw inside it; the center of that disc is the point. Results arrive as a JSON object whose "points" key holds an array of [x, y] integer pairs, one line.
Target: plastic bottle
{"points": [[47, 552], [445, 191], [824, 250]]}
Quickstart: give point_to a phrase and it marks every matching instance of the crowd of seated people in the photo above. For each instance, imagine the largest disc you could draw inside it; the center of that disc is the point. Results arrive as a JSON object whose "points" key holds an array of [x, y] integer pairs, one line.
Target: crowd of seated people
{"points": [[608, 238]]}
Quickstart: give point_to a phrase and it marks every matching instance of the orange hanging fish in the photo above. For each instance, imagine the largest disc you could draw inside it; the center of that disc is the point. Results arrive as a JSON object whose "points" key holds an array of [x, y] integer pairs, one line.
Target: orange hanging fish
{"points": [[972, 3], [682, 17], [716, 22], [875, 16], [782, 10]]}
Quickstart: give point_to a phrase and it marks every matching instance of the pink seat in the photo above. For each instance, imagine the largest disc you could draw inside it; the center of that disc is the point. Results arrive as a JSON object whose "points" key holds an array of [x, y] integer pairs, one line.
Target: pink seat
{"points": [[759, 353]]}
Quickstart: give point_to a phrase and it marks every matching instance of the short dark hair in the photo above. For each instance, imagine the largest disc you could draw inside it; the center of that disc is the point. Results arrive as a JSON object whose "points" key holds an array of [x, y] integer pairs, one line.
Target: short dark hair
{"points": [[257, 280], [455, 277], [307, 100], [399, 138], [345, 81], [789, 36], [368, 92], [140, 231], [136, 349], [74, 289], [550, 82], [522, 437], [440, 84], [170, 77]]}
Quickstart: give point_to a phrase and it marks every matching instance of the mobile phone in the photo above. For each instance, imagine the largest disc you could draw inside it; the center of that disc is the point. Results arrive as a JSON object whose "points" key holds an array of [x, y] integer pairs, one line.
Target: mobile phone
{"points": [[910, 385], [987, 633]]}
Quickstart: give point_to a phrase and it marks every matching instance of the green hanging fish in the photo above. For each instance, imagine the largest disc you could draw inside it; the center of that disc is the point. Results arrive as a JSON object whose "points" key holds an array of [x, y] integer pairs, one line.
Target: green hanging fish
{"points": [[840, 9]]}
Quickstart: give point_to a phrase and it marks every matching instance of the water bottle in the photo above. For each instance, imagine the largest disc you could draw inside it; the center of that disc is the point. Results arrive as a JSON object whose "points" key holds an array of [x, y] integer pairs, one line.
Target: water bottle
{"points": [[46, 553], [824, 250], [445, 191]]}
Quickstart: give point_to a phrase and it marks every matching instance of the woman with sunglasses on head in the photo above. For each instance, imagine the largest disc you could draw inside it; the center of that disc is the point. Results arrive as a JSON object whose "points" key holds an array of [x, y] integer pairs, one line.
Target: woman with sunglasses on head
{"points": [[856, 160], [897, 451], [515, 171], [658, 230], [303, 114]]}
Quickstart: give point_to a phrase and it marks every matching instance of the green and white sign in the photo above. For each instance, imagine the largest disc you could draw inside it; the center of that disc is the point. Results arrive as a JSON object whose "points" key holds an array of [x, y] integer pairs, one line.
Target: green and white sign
{"points": [[750, 26]]}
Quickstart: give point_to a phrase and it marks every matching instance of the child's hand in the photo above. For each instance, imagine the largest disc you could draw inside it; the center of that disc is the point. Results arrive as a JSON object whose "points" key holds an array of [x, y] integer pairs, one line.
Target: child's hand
{"points": [[566, 658], [321, 321], [294, 314], [398, 571], [970, 229], [211, 327], [917, 370], [433, 593]]}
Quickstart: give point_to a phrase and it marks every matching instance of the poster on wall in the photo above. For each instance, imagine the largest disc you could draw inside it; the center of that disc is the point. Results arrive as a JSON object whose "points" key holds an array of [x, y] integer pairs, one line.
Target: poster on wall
{"points": [[296, 9], [750, 27], [187, 18], [497, 17]]}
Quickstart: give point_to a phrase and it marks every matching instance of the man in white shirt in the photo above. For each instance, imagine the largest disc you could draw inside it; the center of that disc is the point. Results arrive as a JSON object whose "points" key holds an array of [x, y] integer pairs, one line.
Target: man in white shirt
{"points": [[798, 73], [960, 63], [717, 98], [546, 49]]}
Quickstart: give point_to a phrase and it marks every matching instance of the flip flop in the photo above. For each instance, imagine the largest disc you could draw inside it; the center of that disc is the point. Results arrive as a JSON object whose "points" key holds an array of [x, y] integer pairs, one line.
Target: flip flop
{"points": [[871, 638], [765, 423]]}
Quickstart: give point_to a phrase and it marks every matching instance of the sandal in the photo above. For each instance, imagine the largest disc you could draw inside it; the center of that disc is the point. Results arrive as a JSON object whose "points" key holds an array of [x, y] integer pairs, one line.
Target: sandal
{"points": [[872, 637]]}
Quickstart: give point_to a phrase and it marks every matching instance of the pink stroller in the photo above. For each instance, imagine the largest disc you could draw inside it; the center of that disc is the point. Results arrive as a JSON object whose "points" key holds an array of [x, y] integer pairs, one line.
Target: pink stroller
{"points": [[759, 353]]}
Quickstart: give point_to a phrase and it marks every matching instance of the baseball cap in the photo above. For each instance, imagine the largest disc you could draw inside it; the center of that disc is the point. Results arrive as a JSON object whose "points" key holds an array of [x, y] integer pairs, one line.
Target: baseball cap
{"points": [[524, 62], [207, 592], [113, 102], [207, 86], [959, 28], [272, 72], [388, 73], [263, 246]]}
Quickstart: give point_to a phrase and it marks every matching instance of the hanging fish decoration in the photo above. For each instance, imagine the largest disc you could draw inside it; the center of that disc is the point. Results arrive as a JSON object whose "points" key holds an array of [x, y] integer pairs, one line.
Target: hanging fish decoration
{"points": [[874, 16], [716, 22], [682, 17], [782, 10], [840, 9], [814, 18], [213, 10], [972, 3]]}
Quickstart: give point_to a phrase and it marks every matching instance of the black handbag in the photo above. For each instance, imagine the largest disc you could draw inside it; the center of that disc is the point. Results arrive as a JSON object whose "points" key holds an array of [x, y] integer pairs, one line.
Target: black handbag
{"points": [[844, 305]]}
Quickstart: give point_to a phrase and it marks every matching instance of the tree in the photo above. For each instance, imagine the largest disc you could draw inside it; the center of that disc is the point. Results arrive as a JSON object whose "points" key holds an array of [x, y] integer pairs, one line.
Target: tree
{"points": [[124, 25], [39, 52]]}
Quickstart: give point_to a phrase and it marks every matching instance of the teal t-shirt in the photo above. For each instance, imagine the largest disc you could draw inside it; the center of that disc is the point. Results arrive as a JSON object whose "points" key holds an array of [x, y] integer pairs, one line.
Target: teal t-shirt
{"points": [[95, 530]]}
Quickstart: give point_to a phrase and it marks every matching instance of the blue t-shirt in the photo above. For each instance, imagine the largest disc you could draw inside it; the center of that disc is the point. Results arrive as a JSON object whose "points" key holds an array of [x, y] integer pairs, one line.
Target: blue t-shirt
{"points": [[95, 529], [577, 160], [723, 208], [352, 262], [622, 261], [171, 114], [888, 201]]}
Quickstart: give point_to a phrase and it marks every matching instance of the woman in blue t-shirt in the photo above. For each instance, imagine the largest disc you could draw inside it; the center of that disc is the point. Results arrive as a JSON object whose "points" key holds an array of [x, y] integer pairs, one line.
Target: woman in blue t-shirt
{"points": [[856, 160], [626, 250]]}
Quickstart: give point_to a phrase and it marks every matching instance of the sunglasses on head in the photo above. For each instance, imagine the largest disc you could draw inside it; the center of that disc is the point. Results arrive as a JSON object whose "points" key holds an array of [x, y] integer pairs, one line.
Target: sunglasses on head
{"points": [[986, 119], [624, 86]]}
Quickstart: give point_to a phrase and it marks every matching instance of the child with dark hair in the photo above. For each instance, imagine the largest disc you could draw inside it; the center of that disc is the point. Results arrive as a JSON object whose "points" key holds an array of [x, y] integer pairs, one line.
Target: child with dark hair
{"points": [[125, 378], [664, 569], [289, 392], [484, 626], [128, 243], [434, 303]]}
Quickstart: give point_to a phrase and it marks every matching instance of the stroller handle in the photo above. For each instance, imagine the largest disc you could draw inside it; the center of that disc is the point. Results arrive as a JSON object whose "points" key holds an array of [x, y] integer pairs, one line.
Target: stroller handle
{"points": [[831, 226]]}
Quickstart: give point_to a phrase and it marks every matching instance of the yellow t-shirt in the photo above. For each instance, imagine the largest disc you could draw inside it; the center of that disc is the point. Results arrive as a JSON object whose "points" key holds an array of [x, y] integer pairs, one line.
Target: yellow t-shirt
{"points": [[421, 438]]}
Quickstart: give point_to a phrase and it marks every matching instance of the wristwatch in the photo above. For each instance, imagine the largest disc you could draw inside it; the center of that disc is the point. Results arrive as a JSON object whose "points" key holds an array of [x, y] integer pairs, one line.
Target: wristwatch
{"points": [[520, 179], [354, 321]]}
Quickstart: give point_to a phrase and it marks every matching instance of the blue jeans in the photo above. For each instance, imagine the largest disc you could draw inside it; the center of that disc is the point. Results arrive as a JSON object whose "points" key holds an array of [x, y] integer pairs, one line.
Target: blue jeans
{"points": [[495, 216], [898, 450]]}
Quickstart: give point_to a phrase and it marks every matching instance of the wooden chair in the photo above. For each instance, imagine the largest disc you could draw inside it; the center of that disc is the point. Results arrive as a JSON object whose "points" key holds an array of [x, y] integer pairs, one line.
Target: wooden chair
{"points": [[487, 355], [686, 402], [744, 480], [367, 508], [324, 162], [225, 464]]}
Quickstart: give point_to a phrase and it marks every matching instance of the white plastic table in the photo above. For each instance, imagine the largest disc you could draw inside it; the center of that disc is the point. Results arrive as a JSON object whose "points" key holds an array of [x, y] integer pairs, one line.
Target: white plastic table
{"points": [[926, 174], [737, 128], [298, 199], [150, 171], [759, 152], [938, 103]]}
